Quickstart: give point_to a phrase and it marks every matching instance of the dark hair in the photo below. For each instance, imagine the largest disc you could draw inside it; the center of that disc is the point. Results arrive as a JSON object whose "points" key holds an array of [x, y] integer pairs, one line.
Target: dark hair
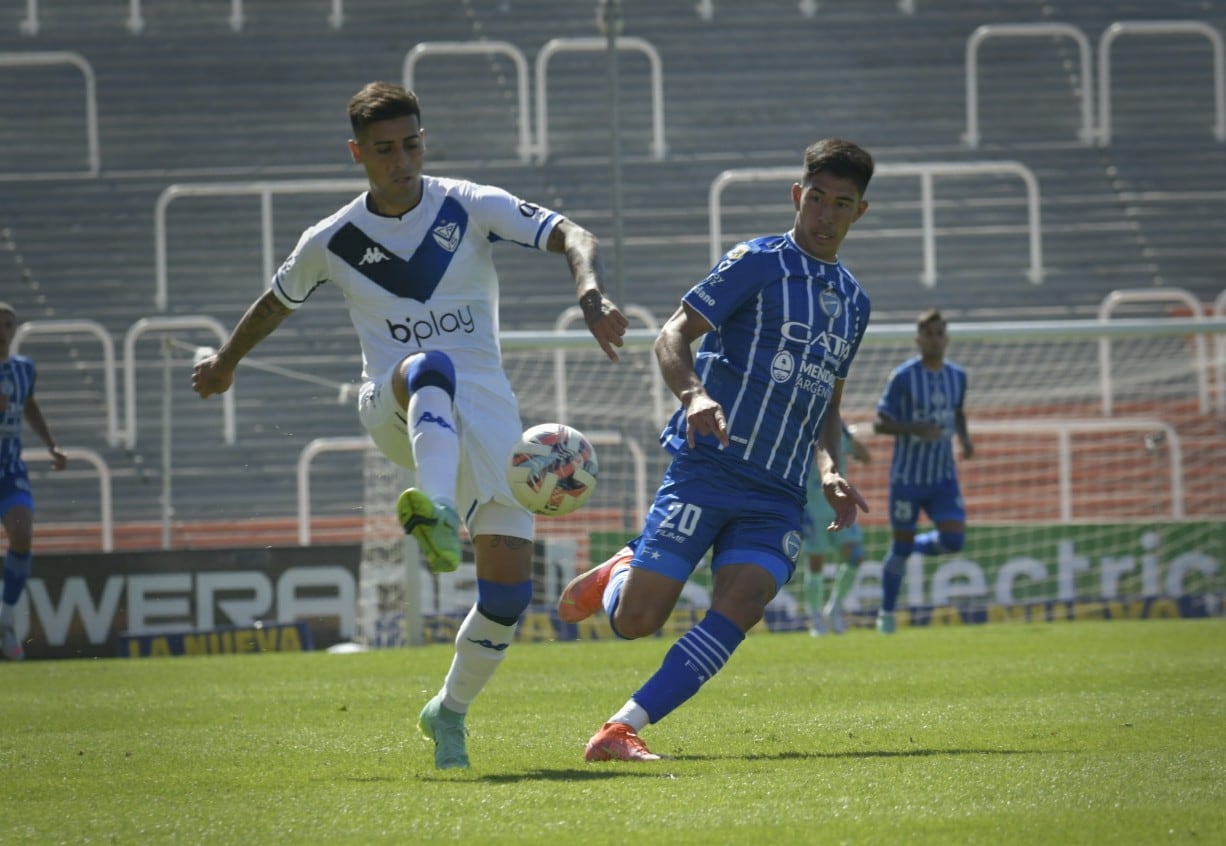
{"points": [[379, 101], [932, 315], [841, 158]]}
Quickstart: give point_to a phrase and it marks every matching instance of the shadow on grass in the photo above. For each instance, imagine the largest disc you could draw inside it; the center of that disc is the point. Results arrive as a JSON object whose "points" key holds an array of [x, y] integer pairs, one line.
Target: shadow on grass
{"points": [[569, 774], [868, 753]]}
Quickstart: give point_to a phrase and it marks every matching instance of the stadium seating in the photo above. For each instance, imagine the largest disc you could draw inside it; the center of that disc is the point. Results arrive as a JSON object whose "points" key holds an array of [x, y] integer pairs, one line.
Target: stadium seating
{"points": [[189, 100]]}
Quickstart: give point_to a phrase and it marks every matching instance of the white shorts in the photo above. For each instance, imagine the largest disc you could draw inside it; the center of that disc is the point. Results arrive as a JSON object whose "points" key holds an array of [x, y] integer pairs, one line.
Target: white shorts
{"points": [[488, 422]]}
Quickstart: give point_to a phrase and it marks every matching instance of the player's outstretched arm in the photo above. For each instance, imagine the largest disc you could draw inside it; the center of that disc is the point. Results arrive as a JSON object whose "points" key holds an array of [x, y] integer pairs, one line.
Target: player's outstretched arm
{"points": [[582, 250], [33, 414], [214, 374], [675, 355], [964, 434], [844, 498]]}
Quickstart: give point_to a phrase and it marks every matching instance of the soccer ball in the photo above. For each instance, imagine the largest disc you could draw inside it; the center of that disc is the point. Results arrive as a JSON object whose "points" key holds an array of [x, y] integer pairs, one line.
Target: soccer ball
{"points": [[553, 469]]}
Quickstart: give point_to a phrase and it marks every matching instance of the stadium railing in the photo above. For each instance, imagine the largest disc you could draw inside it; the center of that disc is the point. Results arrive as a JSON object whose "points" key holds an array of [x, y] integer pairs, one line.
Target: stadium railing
{"points": [[59, 329], [1121, 28], [43, 59], [926, 171], [464, 48], [1025, 30]]}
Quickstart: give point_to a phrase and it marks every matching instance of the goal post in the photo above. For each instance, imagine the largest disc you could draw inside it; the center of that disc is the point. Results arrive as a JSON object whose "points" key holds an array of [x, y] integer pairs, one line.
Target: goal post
{"points": [[1073, 509]]}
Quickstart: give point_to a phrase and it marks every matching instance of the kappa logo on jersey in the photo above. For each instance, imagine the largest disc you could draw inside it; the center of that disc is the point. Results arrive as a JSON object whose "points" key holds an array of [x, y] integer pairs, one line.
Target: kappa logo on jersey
{"points": [[374, 255], [447, 236]]}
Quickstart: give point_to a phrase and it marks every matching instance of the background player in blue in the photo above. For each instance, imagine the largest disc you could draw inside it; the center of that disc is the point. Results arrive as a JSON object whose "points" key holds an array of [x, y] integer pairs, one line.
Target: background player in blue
{"points": [[821, 545], [922, 408], [780, 320], [413, 256], [17, 403]]}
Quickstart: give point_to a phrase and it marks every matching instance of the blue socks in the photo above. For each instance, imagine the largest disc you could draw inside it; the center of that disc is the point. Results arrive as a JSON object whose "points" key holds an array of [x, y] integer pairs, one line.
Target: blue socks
{"points": [[16, 571], [891, 580], [692, 660]]}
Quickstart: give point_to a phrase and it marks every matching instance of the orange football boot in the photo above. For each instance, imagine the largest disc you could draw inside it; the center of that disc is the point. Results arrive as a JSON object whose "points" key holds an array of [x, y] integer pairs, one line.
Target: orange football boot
{"points": [[584, 595]]}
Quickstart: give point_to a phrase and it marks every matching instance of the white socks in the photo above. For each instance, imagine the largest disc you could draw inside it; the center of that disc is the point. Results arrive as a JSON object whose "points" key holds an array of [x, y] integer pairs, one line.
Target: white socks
{"points": [[435, 442], [480, 646]]}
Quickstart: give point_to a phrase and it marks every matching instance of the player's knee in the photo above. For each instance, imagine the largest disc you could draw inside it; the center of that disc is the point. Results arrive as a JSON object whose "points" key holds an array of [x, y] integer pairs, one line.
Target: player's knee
{"points": [[503, 603], [855, 555], [431, 369], [952, 541], [630, 623], [902, 548]]}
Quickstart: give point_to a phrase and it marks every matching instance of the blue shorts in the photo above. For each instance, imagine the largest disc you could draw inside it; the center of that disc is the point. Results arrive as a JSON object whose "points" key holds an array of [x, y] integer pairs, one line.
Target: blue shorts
{"points": [[818, 541], [15, 489], [710, 502], [942, 502]]}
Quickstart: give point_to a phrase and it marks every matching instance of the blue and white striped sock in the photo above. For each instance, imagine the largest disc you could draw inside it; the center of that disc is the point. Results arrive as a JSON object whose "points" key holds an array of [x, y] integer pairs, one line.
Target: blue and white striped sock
{"points": [[692, 660]]}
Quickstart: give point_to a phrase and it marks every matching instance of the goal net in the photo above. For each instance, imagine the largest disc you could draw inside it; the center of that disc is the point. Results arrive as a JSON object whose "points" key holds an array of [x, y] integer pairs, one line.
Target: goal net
{"points": [[1095, 489]]}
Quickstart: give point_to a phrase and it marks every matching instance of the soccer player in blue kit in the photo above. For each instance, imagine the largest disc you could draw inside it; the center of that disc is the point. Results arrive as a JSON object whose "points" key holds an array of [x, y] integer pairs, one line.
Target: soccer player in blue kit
{"points": [[413, 256], [780, 320], [921, 407], [17, 403]]}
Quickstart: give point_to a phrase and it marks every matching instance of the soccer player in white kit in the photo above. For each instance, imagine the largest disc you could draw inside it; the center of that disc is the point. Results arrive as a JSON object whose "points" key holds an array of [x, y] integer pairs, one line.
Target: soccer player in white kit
{"points": [[413, 257]]}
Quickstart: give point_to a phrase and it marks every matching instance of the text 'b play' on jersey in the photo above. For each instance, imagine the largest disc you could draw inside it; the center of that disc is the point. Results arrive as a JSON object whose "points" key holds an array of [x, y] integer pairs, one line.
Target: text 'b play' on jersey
{"points": [[421, 281], [915, 394], [786, 328]]}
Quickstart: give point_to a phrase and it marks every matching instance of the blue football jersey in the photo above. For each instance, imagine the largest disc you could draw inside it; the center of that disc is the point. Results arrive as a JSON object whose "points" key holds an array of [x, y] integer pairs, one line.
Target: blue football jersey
{"points": [[916, 394], [16, 385], [786, 328]]}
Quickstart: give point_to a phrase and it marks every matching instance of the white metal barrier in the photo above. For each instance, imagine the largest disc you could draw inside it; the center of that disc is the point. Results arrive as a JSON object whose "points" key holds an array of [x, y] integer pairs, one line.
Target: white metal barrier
{"points": [[1120, 28], [926, 171], [1026, 30], [60, 328], [464, 48], [661, 398], [156, 324], [11, 60], [1063, 429], [560, 45], [309, 452], [264, 190], [1153, 295], [136, 22], [106, 515]]}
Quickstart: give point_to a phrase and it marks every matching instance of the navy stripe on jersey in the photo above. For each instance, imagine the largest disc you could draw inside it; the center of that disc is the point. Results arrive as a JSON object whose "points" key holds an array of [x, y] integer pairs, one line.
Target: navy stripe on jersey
{"points": [[17, 385], [417, 277], [786, 328], [916, 394]]}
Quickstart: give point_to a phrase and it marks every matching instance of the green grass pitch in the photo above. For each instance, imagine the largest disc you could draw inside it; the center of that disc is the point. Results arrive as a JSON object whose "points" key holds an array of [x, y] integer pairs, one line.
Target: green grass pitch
{"points": [[1086, 732]]}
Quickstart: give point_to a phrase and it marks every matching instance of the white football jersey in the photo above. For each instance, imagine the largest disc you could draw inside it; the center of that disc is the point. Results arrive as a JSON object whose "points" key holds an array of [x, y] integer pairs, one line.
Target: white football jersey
{"points": [[422, 281]]}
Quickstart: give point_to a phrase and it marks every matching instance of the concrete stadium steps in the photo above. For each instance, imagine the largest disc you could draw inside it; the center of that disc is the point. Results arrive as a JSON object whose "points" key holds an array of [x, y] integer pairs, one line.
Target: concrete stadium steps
{"points": [[179, 103]]}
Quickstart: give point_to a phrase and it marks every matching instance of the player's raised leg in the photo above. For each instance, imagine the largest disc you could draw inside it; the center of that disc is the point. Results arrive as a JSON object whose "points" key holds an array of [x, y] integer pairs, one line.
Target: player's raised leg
{"points": [[583, 596], [427, 511]]}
